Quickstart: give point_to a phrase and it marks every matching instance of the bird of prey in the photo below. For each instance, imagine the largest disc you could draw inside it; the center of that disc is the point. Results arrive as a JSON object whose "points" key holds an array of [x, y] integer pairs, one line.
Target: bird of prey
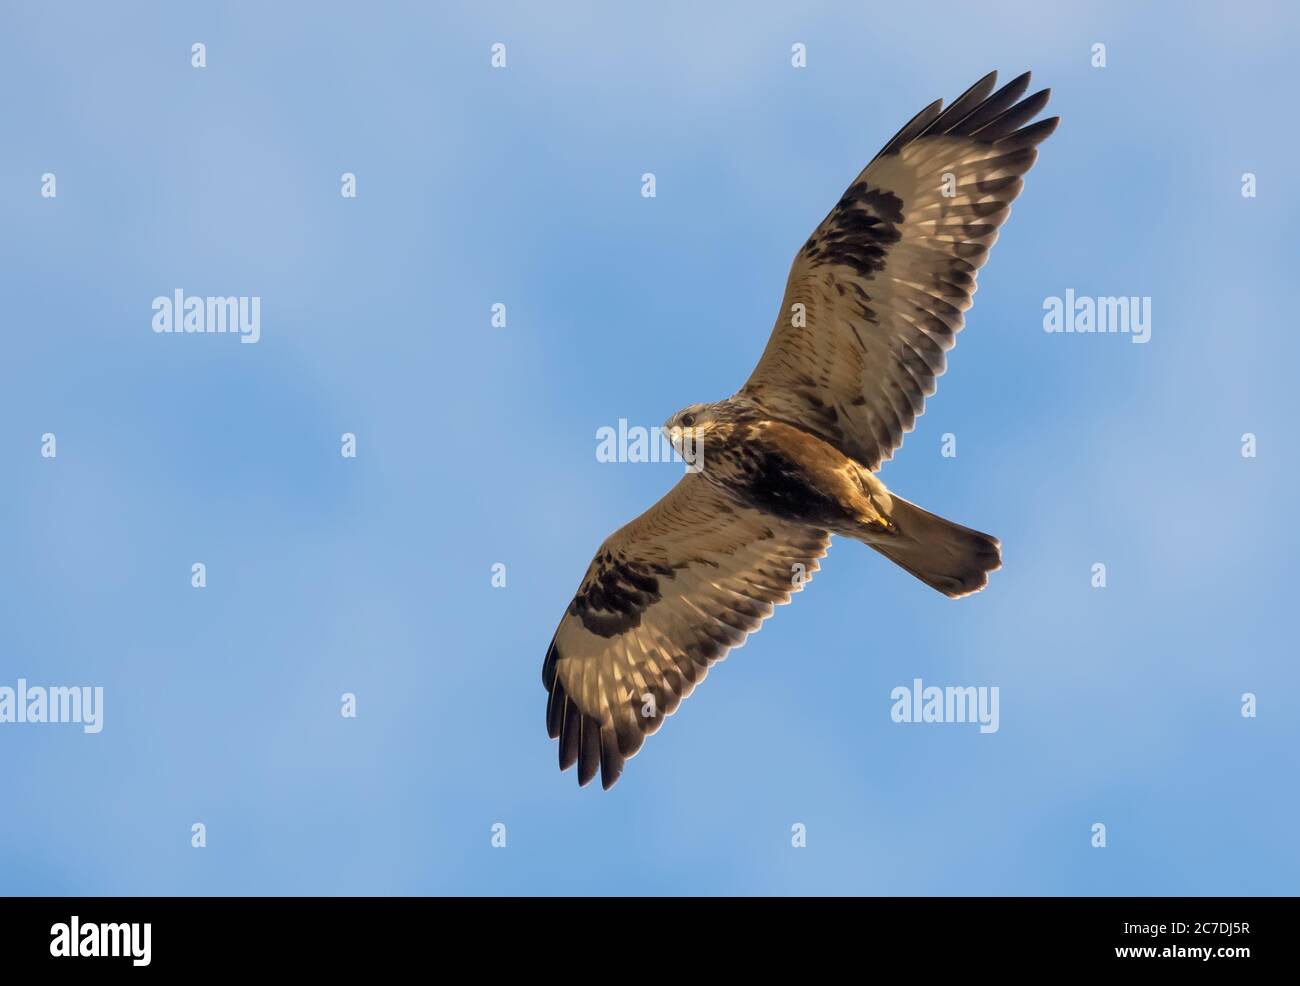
{"points": [[874, 299]]}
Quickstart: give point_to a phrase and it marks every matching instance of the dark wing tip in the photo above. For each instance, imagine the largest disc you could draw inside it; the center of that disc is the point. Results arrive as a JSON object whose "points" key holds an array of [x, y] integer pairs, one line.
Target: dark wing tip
{"points": [[611, 760], [588, 749], [582, 740], [961, 107], [570, 728], [1032, 135], [913, 128], [979, 113], [548, 666]]}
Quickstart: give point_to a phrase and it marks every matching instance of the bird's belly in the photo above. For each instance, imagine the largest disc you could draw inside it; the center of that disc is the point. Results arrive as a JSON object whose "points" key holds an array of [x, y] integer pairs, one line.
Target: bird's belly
{"points": [[772, 481]]}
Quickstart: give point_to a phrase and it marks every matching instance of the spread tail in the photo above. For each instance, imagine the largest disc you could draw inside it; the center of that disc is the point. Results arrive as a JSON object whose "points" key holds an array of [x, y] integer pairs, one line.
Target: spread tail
{"points": [[945, 556]]}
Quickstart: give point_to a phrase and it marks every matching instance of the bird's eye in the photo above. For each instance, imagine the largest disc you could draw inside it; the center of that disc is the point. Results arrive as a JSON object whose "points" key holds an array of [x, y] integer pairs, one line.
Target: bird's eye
{"points": [[688, 420]]}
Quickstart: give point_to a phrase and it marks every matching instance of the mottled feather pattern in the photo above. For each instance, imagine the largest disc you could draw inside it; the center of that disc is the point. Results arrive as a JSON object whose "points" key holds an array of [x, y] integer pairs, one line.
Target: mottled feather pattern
{"points": [[887, 276], [718, 569], [883, 285]]}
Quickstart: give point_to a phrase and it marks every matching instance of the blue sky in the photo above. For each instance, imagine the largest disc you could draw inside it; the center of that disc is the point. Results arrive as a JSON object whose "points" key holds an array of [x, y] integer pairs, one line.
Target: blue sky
{"points": [[476, 446]]}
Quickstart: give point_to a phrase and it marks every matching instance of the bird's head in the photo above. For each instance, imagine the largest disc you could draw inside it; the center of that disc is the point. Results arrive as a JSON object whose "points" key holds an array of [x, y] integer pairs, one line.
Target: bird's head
{"points": [[691, 416], [695, 421], [704, 418], [688, 428]]}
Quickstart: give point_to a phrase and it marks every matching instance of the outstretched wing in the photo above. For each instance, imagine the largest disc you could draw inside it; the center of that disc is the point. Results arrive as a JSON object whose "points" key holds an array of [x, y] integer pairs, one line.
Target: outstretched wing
{"points": [[877, 294], [664, 598]]}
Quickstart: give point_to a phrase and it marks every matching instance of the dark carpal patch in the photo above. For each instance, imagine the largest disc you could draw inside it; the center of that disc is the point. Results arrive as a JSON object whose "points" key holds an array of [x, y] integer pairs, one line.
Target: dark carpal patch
{"points": [[859, 230], [619, 591]]}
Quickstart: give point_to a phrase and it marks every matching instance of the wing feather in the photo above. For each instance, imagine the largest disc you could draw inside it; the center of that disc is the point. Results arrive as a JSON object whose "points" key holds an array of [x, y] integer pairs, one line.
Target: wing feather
{"points": [[884, 282], [665, 597]]}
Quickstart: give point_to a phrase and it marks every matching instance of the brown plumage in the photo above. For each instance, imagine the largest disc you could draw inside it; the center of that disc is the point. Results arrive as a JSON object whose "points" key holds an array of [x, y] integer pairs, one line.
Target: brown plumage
{"points": [[874, 300]]}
